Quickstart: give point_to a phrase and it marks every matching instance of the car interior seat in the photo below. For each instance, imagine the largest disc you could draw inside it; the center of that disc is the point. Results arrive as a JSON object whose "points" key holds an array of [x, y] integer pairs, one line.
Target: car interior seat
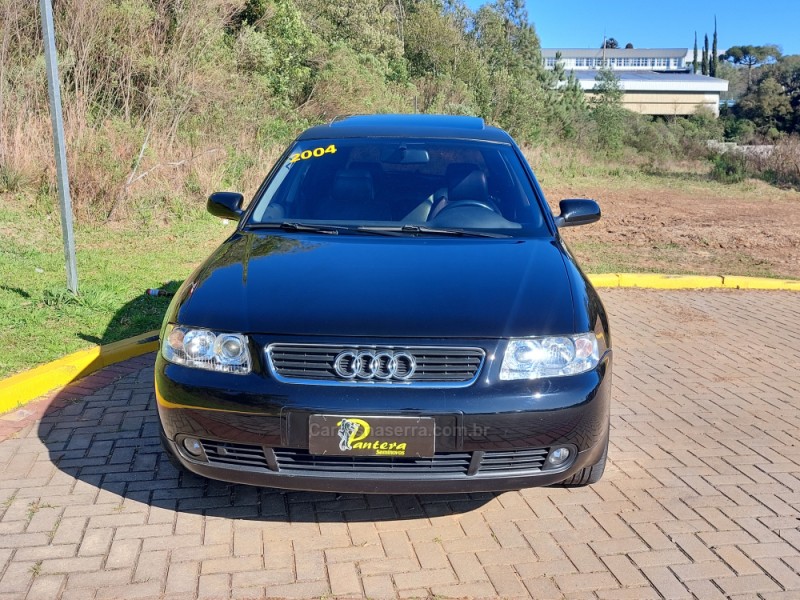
{"points": [[352, 196], [465, 181]]}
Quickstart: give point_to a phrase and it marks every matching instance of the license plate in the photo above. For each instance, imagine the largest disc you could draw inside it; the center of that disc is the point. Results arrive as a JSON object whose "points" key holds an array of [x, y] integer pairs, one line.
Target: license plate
{"points": [[371, 436]]}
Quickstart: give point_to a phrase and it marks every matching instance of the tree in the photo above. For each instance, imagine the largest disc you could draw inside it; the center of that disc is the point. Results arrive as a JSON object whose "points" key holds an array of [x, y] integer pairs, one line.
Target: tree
{"points": [[444, 63], [772, 102], [787, 73], [736, 78], [276, 43], [766, 104], [704, 66], [712, 65], [510, 47], [565, 101], [607, 111], [369, 27], [610, 43], [694, 60], [628, 46], [752, 56]]}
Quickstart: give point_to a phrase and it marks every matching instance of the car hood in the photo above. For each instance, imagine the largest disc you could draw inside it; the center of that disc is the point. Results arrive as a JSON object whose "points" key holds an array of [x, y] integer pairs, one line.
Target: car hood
{"points": [[365, 286]]}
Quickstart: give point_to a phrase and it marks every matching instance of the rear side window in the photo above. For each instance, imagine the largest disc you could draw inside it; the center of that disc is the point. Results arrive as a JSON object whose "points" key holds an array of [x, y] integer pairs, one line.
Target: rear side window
{"points": [[391, 181]]}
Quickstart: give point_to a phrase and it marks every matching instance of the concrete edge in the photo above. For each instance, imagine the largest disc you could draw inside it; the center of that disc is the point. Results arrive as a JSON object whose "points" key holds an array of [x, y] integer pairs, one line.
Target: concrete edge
{"points": [[19, 389]]}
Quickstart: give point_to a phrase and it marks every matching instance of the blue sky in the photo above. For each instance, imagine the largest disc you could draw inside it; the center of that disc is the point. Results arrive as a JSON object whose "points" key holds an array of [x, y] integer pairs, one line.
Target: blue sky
{"points": [[670, 24]]}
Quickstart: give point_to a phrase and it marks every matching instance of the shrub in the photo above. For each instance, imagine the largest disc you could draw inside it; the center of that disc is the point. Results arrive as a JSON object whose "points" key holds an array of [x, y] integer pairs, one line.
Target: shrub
{"points": [[11, 180], [781, 164], [742, 131], [729, 167]]}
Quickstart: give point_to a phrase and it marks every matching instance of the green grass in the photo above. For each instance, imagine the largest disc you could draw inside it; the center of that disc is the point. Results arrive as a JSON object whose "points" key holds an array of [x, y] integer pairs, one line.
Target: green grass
{"points": [[40, 320]]}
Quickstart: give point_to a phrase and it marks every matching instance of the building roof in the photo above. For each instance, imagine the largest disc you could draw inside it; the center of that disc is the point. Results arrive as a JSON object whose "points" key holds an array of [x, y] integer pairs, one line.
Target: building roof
{"points": [[652, 81], [616, 52], [425, 126]]}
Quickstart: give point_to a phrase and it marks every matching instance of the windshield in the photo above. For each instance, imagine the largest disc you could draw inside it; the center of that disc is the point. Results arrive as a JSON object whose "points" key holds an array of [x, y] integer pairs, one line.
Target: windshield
{"points": [[402, 185]]}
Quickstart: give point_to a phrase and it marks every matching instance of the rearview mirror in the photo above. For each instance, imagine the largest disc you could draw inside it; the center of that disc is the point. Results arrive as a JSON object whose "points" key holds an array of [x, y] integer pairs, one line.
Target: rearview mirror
{"points": [[408, 155], [577, 211], [226, 205]]}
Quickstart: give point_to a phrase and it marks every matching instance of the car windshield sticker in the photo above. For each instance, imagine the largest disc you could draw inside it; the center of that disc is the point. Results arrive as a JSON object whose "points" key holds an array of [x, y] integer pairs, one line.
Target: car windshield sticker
{"points": [[315, 153]]}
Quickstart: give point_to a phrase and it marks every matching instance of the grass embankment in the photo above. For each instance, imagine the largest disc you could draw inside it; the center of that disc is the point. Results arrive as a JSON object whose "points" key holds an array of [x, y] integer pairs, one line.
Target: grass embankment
{"points": [[40, 320]]}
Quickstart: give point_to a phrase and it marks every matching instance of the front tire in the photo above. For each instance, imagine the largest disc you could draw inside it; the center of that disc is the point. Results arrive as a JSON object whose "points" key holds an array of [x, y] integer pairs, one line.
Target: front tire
{"points": [[588, 475]]}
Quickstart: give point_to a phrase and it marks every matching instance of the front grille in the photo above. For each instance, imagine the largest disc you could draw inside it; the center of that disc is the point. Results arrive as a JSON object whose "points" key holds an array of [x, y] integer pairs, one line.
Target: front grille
{"points": [[301, 462], [295, 461], [241, 455], [513, 460], [434, 366]]}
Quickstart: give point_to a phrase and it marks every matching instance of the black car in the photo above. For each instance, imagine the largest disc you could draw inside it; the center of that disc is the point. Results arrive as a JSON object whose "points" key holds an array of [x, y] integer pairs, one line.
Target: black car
{"points": [[396, 312]]}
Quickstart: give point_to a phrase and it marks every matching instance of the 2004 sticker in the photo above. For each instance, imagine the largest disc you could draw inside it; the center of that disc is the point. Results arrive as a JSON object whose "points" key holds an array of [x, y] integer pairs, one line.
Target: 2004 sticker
{"points": [[315, 153]]}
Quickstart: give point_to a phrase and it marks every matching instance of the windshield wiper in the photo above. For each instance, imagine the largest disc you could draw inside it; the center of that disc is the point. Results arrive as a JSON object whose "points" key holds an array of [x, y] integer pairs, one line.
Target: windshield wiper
{"points": [[392, 230], [291, 226], [425, 230]]}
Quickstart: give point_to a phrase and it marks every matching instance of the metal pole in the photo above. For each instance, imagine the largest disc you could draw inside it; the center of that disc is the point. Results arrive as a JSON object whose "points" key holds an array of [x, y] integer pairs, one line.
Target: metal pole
{"points": [[54, 92]]}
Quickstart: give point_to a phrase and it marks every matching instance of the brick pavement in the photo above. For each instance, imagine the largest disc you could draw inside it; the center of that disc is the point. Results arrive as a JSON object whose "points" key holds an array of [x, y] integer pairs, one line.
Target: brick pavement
{"points": [[701, 498]]}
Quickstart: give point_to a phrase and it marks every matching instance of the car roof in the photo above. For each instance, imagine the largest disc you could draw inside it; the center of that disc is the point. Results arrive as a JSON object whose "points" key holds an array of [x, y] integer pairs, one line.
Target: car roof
{"points": [[422, 126]]}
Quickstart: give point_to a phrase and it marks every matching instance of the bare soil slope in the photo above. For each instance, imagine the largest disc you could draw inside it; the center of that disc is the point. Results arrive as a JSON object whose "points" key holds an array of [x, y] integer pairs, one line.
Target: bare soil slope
{"points": [[746, 229]]}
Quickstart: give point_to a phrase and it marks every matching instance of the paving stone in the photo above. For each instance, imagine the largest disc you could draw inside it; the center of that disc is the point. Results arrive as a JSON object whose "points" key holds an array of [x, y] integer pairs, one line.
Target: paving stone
{"points": [[666, 582], [467, 567], [182, 577], [96, 542], [311, 589], [424, 578], [379, 587], [46, 587], [344, 579], [72, 565], [506, 581], [98, 579], [214, 586]]}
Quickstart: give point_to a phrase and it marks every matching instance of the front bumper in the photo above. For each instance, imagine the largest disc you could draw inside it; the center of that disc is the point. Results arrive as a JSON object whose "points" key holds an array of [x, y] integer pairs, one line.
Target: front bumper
{"points": [[257, 431]]}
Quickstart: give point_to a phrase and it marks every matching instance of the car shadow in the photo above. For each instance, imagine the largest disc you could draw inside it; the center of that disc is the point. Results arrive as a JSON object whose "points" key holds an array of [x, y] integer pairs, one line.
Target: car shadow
{"points": [[103, 431], [15, 290]]}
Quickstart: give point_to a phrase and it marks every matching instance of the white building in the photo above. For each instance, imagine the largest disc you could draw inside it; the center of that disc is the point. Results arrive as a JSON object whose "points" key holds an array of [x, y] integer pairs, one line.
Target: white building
{"points": [[655, 81], [628, 59]]}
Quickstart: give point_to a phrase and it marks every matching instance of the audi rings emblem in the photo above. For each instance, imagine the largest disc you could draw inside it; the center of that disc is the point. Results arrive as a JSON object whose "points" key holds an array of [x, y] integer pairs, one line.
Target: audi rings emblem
{"points": [[368, 364]]}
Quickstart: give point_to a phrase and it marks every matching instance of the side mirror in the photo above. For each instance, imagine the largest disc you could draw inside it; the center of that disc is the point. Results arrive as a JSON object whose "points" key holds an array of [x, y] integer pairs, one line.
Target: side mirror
{"points": [[226, 205], [577, 211]]}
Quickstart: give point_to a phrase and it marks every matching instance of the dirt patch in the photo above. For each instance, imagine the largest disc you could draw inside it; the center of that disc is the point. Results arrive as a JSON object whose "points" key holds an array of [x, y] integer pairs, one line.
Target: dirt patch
{"points": [[755, 232]]}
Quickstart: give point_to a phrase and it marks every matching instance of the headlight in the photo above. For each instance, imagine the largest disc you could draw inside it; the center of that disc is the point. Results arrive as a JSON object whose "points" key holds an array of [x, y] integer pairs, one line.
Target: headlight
{"points": [[204, 349], [534, 358]]}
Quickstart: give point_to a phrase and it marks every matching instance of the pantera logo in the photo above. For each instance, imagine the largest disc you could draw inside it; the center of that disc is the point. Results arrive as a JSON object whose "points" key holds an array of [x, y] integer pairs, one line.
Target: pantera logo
{"points": [[353, 434], [348, 428]]}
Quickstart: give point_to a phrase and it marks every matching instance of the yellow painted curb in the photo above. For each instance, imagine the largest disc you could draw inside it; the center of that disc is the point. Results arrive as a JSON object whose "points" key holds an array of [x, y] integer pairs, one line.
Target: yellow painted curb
{"points": [[690, 282], [668, 282], [605, 280], [24, 387], [760, 283]]}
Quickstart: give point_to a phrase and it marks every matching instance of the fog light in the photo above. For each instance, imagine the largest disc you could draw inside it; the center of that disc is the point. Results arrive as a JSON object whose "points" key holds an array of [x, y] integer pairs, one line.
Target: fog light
{"points": [[193, 446], [558, 456]]}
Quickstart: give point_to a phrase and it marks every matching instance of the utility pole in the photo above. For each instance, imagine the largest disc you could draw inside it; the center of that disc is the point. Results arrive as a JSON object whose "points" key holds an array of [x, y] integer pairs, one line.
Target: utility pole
{"points": [[604, 50], [59, 149]]}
